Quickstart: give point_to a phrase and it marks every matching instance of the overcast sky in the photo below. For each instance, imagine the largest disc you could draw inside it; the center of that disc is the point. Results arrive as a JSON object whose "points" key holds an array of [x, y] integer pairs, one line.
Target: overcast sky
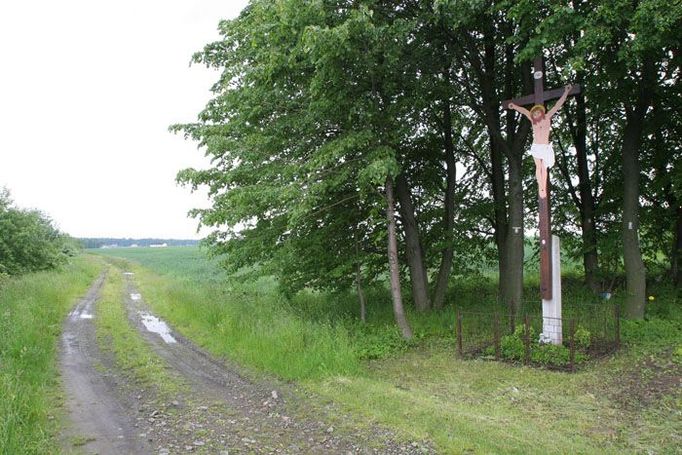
{"points": [[87, 92]]}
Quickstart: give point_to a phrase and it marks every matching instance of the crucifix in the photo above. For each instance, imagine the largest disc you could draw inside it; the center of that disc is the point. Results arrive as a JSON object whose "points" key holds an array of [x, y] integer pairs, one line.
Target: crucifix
{"points": [[543, 155]]}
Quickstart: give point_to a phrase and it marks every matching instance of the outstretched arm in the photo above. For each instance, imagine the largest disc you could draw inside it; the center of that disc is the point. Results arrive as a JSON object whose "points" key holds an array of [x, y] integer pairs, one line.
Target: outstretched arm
{"points": [[561, 101], [520, 110]]}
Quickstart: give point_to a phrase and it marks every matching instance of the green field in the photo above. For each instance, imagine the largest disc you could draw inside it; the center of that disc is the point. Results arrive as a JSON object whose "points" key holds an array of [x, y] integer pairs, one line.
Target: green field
{"points": [[627, 403]]}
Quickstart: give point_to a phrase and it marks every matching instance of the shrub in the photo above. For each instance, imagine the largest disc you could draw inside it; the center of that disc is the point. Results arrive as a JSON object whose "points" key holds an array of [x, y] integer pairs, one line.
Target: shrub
{"points": [[583, 338], [29, 242], [379, 343], [512, 347]]}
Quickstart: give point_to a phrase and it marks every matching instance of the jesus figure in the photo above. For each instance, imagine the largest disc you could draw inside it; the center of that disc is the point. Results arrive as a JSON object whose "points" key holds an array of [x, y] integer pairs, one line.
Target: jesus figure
{"points": [[542, 152]]}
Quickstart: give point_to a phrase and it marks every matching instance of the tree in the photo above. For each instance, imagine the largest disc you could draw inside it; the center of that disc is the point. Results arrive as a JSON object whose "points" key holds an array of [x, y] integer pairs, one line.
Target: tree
{"points": [[28, 240], [299, 131]]}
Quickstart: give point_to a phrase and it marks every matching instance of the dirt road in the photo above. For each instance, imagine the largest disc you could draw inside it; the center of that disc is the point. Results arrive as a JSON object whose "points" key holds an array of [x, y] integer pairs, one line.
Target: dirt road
{"points": [[219, 409], [99, 413]]}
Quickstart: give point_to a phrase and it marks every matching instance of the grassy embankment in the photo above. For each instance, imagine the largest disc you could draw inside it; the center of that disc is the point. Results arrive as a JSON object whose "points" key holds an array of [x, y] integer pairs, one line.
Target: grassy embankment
{"points": [[421, 390], [32, 310]]}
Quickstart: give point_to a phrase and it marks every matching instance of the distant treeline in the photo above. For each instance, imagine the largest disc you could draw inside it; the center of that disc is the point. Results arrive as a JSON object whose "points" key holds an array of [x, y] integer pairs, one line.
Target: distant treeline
{"points": [[114, 242]]}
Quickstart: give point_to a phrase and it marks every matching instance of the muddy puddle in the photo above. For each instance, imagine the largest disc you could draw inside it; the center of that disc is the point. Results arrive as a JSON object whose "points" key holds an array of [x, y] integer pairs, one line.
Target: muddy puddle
{"points": [[156, 325]]}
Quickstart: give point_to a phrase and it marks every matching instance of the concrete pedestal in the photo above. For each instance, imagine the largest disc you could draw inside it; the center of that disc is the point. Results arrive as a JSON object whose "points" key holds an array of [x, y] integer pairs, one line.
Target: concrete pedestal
{"points": [[551, 309]]}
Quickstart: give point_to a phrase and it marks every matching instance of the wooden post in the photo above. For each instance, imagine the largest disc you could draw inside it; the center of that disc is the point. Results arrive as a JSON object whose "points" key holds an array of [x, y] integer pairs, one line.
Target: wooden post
{"points": [[496, 334], [571, 345], [545, 245], [526, 339], [512, 321], [460, 352]]}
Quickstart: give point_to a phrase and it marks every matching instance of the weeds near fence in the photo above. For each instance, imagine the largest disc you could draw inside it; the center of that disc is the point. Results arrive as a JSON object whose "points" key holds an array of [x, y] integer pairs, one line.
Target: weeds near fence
{"points": [[591, 333]]}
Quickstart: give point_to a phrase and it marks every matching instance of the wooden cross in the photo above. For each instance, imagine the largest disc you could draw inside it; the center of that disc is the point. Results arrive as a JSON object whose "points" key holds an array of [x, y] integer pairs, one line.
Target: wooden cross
{"points": [[539, 96]]}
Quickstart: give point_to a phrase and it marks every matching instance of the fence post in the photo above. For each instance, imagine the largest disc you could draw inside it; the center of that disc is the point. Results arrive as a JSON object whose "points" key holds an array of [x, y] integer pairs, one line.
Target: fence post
{"points": [[571, 345], [459, 334], [616, 315], [526, 339], [512, 322], [496, 334]]}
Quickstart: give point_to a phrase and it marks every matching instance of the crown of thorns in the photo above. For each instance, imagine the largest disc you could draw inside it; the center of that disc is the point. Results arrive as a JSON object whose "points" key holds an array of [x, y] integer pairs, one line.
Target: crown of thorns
{"points": [[538, 107]]}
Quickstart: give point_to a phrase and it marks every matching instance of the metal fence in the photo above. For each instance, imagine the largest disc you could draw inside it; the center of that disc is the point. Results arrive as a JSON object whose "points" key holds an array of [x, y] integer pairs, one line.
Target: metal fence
{"points": [[587, 333]]}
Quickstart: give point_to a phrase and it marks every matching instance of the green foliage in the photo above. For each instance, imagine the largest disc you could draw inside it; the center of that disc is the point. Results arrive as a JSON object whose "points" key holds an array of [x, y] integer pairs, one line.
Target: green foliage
{"points": [[512, 347], [582, 338], [28, 240], [653, 331], [555, 355], [378, 342]]}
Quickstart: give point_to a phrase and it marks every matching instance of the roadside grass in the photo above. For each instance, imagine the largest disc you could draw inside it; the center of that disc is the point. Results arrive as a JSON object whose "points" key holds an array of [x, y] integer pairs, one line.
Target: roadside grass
{"points": [[491, 407], [251, 327], [248, 322], [116, 335], [420, 389], [32, 310]]}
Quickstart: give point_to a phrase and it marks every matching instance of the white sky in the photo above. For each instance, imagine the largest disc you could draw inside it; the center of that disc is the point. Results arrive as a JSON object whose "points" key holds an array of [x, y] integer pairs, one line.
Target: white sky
{"points": [[87, 92]]}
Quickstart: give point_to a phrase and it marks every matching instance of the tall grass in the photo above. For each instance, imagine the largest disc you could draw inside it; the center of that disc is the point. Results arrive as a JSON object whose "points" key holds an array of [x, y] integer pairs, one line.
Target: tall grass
{"points": [[32, 309], [307, 336], [252, 327]]}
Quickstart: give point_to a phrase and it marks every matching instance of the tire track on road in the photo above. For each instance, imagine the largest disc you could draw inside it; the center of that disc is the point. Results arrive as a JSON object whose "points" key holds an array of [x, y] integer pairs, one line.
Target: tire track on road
{"points": [[100, 420]]}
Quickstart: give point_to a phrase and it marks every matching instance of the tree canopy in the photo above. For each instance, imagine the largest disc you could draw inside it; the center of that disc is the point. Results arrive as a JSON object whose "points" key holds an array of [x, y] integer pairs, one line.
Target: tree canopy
{"points": [[326, 110]]}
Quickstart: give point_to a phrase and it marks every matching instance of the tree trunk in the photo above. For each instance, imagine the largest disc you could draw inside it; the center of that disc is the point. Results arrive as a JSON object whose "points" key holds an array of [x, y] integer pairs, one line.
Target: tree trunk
{"points": [[676, 256], [413, 246], [586, 208], [635, 273], [500, 217], [361, 294], [394, 269], [515, 237], [449, 215]]}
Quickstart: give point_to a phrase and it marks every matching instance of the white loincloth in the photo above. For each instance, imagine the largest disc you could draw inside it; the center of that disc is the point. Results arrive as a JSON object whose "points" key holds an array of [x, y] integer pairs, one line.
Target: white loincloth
{"points": [[543, 152]]}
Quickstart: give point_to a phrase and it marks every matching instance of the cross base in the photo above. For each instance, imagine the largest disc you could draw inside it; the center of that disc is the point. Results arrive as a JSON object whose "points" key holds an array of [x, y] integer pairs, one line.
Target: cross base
{"points": [[551, 308]]}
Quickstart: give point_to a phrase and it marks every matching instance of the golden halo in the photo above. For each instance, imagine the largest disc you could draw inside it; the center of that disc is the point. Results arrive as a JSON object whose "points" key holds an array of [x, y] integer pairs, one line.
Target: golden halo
{"points": [[536, 107]]}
